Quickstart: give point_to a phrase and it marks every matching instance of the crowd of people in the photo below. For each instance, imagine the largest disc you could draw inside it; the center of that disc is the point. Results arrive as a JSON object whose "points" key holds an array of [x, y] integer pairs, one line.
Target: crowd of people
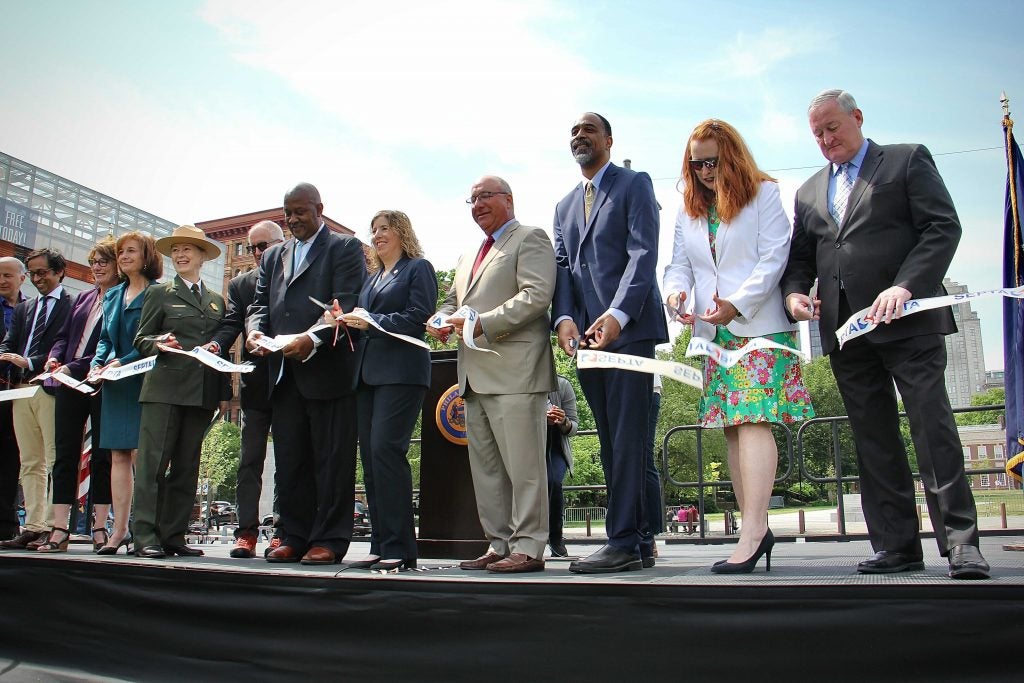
{"points": [[336, 361]]}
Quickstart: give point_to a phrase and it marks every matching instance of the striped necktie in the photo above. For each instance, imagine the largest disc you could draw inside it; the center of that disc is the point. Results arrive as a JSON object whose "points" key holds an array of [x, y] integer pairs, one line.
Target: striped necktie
{"points": [[40, 325], [842, 195]]}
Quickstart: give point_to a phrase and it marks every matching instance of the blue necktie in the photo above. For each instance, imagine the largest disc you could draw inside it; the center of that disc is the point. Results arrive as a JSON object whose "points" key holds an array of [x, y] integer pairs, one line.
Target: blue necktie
{"points": [[40, 325]]}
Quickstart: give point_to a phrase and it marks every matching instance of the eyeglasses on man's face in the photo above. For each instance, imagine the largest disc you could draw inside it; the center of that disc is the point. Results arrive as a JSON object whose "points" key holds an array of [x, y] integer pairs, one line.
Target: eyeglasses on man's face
{"points": [[483, 196], [42, 272]]}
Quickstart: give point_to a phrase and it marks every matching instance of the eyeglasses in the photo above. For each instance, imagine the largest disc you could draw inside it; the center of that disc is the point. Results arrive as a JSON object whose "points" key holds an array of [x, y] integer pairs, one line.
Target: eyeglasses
{"points": [[709, 163], [101, 262], [260, 246], [42, 272], [483, 195]]}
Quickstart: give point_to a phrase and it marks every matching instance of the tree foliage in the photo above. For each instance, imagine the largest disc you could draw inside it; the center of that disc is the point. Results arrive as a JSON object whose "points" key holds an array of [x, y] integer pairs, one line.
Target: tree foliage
{"points": [[219, 456], [993, 397]]}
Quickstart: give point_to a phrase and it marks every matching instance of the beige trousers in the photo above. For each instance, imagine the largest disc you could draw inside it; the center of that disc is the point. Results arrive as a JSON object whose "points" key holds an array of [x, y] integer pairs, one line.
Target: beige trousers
{"points": [[34, 429]]}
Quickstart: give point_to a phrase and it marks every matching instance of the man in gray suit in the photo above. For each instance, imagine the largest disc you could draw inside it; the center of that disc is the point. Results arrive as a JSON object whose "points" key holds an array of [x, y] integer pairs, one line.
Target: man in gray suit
{"points": [[509, 282], [253, 397], [877, 227], [563, 422]]}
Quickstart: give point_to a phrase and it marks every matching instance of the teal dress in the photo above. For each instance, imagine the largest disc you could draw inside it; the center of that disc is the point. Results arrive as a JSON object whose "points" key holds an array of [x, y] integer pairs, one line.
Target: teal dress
{"points": [[122, 412], [764, 386]]}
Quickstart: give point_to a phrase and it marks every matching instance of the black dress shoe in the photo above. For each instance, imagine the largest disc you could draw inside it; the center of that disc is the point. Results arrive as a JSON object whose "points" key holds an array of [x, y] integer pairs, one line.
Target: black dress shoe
{"points": [[966, 562], [889, 562], [647, 556], [183, 550], [607, 560], [152, 552]]}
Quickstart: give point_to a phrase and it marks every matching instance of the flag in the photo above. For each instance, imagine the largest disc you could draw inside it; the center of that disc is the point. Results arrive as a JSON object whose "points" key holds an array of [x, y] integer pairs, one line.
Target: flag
{"points": [[1013, 310]]}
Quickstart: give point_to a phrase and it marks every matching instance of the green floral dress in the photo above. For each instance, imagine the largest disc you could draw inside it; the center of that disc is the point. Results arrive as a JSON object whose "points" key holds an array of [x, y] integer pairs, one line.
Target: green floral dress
{"points": [[764, 386]]}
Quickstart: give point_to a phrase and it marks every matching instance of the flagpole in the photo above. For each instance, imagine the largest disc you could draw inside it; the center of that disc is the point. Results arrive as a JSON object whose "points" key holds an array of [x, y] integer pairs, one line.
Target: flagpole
{"points": [[1011, 171]]}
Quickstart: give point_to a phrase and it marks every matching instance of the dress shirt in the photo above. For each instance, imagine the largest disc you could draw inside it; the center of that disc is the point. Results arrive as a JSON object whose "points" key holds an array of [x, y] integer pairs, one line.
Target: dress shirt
{"points": [[95, 314]]}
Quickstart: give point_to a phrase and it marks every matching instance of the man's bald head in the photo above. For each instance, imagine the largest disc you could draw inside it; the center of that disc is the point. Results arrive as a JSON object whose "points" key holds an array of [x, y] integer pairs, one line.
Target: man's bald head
{"points": [[303, 211], [305, 191]]}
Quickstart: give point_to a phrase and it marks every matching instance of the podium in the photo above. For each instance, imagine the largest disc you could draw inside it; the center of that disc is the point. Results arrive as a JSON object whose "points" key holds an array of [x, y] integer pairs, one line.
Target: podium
{"points": [[449, 526]]}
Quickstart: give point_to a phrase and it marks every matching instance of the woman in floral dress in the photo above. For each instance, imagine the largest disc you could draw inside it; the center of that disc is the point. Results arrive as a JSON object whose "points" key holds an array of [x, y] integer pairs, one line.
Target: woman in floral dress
{"points": [[731, 244]]}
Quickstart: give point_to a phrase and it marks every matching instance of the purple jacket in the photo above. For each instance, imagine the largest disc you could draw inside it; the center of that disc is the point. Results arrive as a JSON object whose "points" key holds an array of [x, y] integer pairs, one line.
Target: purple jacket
{"points": [[70, 336]]}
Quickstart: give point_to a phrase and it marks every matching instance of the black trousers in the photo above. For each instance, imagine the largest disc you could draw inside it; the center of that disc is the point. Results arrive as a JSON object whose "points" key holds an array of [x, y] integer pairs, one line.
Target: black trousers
{"points": [[387, 416], [865, 373], [71, 410], [315, 454], [10, 468], [255, 428]]}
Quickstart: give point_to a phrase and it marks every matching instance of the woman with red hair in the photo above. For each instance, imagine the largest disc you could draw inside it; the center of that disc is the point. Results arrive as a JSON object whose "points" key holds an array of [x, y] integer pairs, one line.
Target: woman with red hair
{"points": [[731, 245]]}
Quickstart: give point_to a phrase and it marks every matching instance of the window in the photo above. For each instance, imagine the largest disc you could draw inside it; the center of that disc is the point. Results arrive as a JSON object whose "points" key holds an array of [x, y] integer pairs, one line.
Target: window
{"points": [[1000, 480], [985, 481], [239, 248], [997, 450], [967, 453], [982, 451]]}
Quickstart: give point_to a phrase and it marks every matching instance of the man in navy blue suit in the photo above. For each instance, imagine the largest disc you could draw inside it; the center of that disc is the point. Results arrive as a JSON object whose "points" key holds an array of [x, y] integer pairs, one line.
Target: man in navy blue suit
{"points": [[606, 248]]}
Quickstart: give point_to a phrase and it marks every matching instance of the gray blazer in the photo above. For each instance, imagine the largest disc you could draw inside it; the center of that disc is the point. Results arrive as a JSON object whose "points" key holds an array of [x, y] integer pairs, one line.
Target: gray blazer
{"points": [[565, 398]]}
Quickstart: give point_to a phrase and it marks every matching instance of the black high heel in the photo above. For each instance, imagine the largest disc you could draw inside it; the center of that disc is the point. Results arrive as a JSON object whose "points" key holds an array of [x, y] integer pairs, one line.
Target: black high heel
{"points": [[112, 549], [392, 565], [747, 566], [52, 546], [366, 563], [106, 538]]}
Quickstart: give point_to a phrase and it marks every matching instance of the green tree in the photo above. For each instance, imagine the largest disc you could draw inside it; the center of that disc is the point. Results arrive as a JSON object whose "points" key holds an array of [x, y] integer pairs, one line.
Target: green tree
{"points": [[219, 456], [819, 451], [993, 397], [445, 280]]}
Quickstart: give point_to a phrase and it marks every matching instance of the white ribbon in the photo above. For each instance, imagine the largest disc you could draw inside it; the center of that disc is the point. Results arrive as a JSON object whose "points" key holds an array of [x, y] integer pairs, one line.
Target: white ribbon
{"points": [[210, 360], [363, 315], [67, 380], [858, 324], [652, 366], [135, 368], [15, 394], [727, 358], [440, 320], [282, 340]]}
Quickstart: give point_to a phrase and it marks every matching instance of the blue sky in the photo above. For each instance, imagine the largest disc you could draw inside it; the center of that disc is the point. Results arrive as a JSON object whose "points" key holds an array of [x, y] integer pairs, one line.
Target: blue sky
{"points": [[197, 110]]}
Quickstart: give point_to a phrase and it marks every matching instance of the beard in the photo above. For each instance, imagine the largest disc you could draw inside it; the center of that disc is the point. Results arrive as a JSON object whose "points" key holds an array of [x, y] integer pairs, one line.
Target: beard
{"points": [[584, 156]]}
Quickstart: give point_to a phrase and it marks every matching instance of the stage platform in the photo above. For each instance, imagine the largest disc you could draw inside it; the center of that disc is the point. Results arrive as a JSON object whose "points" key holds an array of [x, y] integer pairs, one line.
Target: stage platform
{"points": [[77, 616]]}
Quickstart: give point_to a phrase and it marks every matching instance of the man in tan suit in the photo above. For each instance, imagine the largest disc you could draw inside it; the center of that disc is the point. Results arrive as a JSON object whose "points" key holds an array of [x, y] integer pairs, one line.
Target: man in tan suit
{"points": [[509, 282]]}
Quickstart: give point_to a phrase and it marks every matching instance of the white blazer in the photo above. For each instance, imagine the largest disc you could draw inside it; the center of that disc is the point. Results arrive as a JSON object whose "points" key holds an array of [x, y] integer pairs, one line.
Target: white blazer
{"points": [[752, 251]]}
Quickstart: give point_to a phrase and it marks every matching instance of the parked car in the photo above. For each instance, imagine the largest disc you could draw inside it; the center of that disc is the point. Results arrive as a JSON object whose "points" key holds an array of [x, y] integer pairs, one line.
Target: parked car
{"points": [[361, 519], [222, 512]]}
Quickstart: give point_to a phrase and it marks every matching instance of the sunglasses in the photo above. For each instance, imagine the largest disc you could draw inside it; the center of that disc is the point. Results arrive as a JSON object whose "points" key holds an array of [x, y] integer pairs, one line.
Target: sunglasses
{"points": [[260, 246], [709, 163]]}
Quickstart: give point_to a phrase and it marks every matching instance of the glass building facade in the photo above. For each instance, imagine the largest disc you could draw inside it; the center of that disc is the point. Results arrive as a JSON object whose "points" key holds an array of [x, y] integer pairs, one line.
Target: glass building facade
{"points": [[40, 209]]}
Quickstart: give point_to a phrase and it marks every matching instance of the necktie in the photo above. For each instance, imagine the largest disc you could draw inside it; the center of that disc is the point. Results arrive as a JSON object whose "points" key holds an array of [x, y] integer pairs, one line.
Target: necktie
{"points": [[588, 201], [197, 293], [488, 243], [298, 257], [38, 327], [842, 195]]}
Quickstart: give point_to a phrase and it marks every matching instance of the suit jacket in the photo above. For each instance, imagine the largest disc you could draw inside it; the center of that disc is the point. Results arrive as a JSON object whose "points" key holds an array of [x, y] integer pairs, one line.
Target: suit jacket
{"points": [[610, 261], [17, 336], [565, 398], [177, 379], [70, 336], [511, 292], [253, 385], [120, 323], [6, 369], [750, 254], [334, 268], [399, 304], [900, 228]]}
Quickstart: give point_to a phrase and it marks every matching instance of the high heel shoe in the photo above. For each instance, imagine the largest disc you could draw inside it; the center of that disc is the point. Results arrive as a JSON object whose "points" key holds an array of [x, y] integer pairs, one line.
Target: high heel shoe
{"points": [[52, 546], [112, 549], [365, 563], [392, 565], [96, 545], [747, 566]]}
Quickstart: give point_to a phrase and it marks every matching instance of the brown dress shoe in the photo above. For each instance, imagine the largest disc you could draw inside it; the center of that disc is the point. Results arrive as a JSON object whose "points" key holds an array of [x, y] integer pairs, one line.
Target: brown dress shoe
{"points": [[21, 541], [320, 555], [285, 553], [482, 562], [516, 563]]}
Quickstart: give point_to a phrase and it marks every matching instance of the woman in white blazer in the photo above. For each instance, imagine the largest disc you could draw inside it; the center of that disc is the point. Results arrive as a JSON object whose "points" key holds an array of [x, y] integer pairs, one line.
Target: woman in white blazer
{"points": [[731, 243]]}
